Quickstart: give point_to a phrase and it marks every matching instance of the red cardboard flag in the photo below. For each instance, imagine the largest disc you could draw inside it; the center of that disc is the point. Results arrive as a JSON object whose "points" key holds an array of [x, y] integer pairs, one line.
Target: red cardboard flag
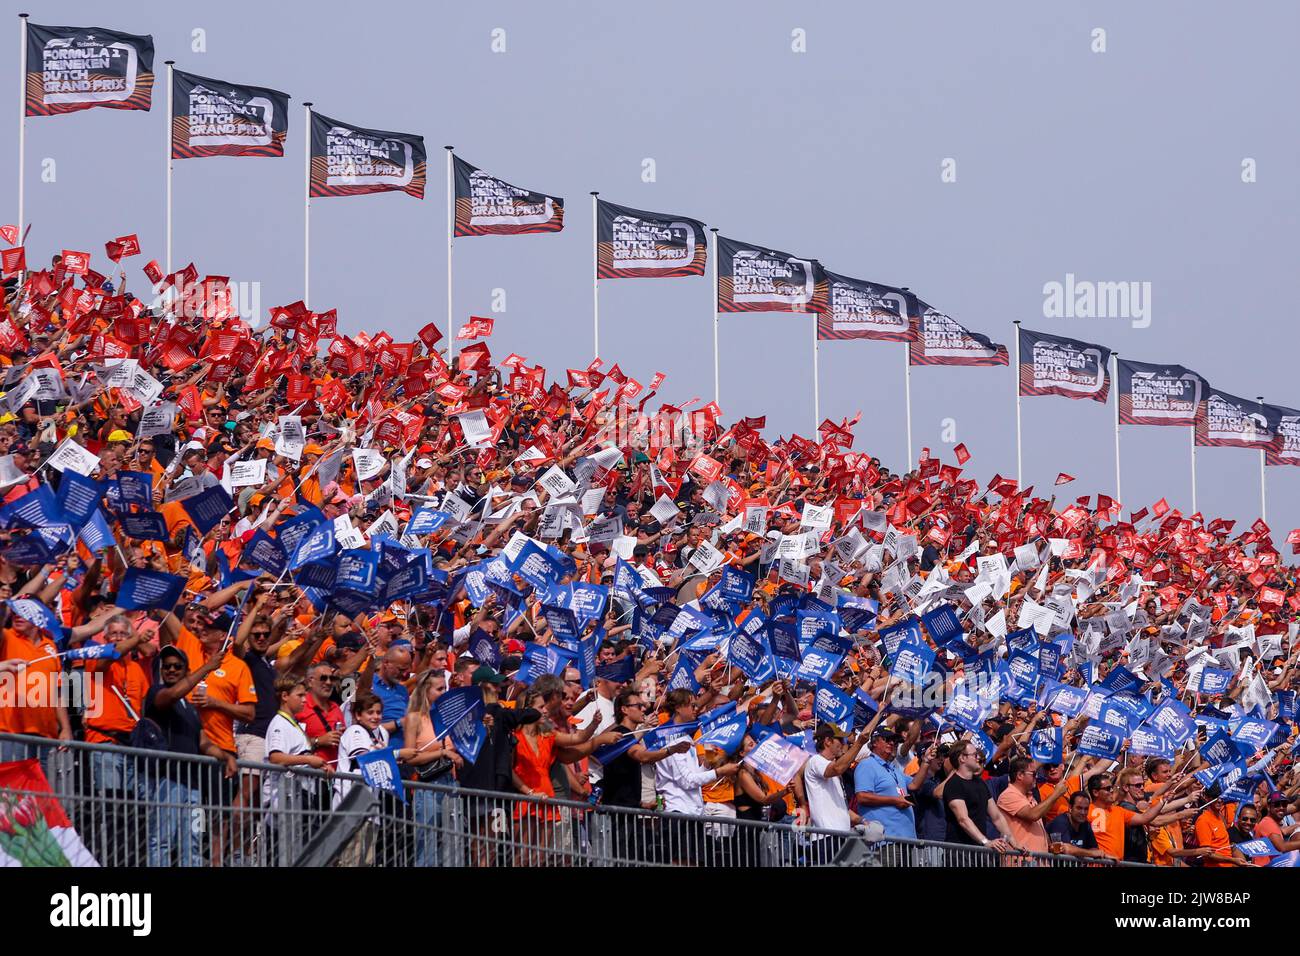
{"points": [[75, 263], [9, 234], [962, 454], [1259, 527], [1161, 508], [122, 247], [430, 335], [1137, 516], [476, 328], [13, 260], [706, 468], [153, 272], [657, 381], [1064, 479]]}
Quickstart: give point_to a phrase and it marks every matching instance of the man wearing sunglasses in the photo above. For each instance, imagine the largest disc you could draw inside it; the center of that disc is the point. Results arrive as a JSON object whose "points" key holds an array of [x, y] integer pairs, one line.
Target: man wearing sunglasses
{"points": [[321, 717]]}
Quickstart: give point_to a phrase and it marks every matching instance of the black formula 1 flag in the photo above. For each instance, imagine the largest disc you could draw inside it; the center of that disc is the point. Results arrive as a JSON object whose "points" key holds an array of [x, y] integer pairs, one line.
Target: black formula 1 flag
{"points": [[487, 206], [1287, 451], [216, 118], [1234, 422], [1158, 394], [79, 68], [757, 279], [351, 160], [1054, 365], [939, 339], [858, 309], [635, 244]]}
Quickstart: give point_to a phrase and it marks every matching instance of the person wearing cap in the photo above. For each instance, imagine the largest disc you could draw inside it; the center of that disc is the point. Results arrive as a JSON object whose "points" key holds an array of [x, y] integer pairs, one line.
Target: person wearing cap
{"points": [[43, 714], [880, 785], [827, 808], [1273, 825], [172, 840], [492, 771]]}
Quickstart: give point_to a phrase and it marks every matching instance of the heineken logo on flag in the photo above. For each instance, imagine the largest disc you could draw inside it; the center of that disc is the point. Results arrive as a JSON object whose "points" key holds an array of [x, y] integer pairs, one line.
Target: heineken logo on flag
{"points": [[352, 160], [79, 68], [216, 118], [634, 244], [755, 279], [1053, 365], [1158, 394], [488, 206], [857, 309], [938, 339], [1226, 420], [1287, 451]]}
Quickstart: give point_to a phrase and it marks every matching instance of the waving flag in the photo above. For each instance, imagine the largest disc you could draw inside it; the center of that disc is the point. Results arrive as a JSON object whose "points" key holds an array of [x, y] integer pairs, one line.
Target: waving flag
{"points": [[79, 68], [634, 244], [858, 309], [487, 206], [352, 160], [38, 832], [380, 771], [1224, 420], [938, 339], [757, 279], [217, 118], [1054, 365], [1158, 394], [1287, 452]]}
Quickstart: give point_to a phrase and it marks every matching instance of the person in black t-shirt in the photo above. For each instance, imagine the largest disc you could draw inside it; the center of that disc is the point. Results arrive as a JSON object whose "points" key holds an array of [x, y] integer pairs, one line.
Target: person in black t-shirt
{"points": [[968, 804], [176, 789], [1071, 833]]}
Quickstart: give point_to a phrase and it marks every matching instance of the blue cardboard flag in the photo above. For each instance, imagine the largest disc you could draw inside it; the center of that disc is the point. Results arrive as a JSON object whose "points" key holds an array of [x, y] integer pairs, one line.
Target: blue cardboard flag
{"points": [[725, 734], [266, 553], [93, 652], [79, 496], [455, 704], [1148, 742], [35, 613], [36, 509], [831, 705], [358, 570], [144, 526], [1047, 745], [823, 657], [142, 590], [1174, 720], [208, 507], [96, 535], [1214, 680], [316, 545], [912, 662], [468, 734], [426, 520], [1098, 741], [380, 772], [134, 488]]}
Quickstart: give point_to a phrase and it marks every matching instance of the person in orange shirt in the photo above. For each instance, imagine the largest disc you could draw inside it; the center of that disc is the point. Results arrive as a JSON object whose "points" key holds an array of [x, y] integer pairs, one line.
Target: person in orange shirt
{"points": [[111, 714], [1212, 832], [1108, 819], [39, 710], [226, 695]]}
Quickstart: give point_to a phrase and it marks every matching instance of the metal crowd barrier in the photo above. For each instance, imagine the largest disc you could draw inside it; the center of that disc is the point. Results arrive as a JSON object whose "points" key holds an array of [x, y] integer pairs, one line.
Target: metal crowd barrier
{"points": [[148, 808]]}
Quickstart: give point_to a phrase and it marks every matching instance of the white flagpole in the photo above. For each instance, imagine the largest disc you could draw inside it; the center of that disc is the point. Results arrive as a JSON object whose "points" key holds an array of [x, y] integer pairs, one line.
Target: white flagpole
{"points": [[1015, 381], [22, 118], [817, 392], [1263, 486], [451, 234], [714, 259], [1114, 384], [907, 390], [595, 274], [306, 207], [1193, 435], [167, 142]]}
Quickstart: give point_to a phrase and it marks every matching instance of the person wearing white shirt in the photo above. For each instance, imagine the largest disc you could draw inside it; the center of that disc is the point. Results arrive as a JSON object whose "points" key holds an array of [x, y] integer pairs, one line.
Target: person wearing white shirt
{"points": [[821, 778], [679, 777], [360, 738], [287, 746], [602, 710]]}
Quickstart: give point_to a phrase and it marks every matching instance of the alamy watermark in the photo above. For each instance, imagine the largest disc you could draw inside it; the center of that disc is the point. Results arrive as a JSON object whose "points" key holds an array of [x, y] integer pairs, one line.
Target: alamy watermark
{"points": [[35, 688], [1086, 299]]}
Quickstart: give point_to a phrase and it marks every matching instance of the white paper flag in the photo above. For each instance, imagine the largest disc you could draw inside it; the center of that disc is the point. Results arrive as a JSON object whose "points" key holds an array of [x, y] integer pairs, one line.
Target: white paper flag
{"points": [[74, 456], [245, 473]]}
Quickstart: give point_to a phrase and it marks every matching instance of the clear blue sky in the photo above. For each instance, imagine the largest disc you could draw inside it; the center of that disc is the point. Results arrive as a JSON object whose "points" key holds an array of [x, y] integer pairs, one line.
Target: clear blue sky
{"points": [[1115, 166]]}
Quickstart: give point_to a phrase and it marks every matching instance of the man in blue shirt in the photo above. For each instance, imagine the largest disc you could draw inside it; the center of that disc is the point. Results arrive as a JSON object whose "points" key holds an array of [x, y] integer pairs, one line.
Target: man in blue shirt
{"points": [[387, 686], [881, 787]]}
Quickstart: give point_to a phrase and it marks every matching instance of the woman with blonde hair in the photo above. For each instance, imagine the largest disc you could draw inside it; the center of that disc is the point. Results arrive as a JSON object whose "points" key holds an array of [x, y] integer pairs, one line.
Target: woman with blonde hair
{"points": [[432, 761]]}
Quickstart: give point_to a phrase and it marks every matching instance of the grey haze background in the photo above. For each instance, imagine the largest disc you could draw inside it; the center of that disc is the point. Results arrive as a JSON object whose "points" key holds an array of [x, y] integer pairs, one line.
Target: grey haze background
{"points": [[1117, 166]]}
